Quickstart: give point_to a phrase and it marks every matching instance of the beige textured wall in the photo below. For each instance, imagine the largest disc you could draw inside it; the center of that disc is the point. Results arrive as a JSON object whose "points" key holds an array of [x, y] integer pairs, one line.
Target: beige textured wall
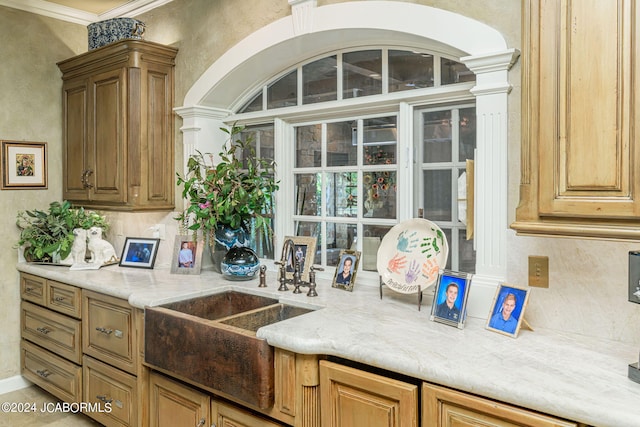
{"points": [[31, 110], [588, 289]]}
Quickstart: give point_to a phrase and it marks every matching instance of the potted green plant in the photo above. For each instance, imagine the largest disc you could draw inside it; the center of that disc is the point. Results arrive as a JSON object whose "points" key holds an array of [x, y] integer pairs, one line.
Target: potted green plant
{"points": [[234, 193], [47, 236]]}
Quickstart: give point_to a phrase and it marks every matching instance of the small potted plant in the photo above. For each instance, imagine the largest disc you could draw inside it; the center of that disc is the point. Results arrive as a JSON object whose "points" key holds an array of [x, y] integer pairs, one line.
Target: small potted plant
{"points": [[225, 199], [47, 236]]}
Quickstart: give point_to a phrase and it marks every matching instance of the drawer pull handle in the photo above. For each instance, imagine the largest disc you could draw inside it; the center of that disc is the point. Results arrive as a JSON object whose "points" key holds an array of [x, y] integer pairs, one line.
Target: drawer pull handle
{"points": [[43, 330], [105, 331], [103, 398], [85, 178], [28, 289], [59, 298], [201, 422], [43, 373]]}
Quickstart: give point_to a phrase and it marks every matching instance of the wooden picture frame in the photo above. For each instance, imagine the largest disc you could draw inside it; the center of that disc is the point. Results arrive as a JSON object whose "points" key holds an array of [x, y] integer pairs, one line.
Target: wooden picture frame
{"points": [[348, 262], [305, 251], [507, 311], [450, 298], [187, 255], [24, 165], [139, 252]]}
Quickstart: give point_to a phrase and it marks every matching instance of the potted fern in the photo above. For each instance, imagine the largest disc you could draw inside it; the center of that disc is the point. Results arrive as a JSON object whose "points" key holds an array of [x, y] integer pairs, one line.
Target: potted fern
{"points": [[47, 236]]}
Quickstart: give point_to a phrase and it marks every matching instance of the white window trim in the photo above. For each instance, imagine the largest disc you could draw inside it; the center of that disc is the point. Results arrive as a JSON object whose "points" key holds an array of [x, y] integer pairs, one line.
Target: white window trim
{"points": [[222, 88]]}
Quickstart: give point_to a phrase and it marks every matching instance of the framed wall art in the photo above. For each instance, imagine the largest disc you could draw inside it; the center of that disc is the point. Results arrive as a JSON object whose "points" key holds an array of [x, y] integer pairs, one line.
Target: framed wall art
{"points": [[346, 271], [450, 298], [24, 165], [187, 255], [139, 252], [304, 252], [507, 311]]}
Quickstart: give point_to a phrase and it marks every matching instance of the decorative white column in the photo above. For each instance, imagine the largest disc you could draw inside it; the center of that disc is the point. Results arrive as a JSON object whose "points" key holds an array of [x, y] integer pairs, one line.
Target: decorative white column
{"points": [[491, 189], [201, 130]]}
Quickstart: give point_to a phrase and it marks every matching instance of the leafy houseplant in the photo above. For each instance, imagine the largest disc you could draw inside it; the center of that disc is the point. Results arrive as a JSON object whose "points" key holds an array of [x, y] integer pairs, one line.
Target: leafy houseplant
{"points": [[236, 192], [48, 234]]}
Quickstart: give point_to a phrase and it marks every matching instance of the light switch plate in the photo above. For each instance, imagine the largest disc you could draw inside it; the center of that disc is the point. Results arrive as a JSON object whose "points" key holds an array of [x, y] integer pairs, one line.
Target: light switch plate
{"points": [[539, 271]]}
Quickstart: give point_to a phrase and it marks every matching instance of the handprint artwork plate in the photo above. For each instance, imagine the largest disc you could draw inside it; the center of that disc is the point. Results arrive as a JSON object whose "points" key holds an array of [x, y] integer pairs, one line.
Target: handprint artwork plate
{"points": [[411, 255]]}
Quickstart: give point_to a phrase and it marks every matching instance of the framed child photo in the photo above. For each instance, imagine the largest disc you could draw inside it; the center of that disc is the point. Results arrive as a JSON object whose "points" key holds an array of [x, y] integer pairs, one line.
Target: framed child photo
{"points": [[346, 271], [304, 252], [450, 298], [139, 252], [507, 311], [187, 255]]}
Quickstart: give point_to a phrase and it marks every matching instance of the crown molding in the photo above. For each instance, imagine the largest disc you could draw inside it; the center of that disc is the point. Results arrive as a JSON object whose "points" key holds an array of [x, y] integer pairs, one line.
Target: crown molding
{"points": [[64, 13]]}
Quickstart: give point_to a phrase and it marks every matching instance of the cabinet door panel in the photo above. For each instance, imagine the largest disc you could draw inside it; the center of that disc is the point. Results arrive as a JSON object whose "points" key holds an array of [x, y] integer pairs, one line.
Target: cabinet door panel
{"points": [[586, 109], [174, 404], [75, 96], [351, 397], [109, 94]]}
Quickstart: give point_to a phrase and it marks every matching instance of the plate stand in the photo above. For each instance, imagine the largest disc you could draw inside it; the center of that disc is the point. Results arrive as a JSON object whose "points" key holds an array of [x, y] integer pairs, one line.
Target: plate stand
{"points": [[419, 293]]}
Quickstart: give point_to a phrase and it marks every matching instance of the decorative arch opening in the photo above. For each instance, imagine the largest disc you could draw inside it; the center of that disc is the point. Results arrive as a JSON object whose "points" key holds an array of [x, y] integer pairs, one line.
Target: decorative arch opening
{"points": [[312, 31]]}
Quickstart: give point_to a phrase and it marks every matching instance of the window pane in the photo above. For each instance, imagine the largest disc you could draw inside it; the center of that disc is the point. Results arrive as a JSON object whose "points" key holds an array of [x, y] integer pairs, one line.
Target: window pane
{"points": [[379, 189], [380, 141], [308, 196], [437, 195], [341, 150], [447, 233], [437, 136], [311, 229], [254, 105], [467, 133], [466, 254], [455, 72], [341, 193], [339, 236], [409, 70], [319, 81], [283, 92], [308, 146], [361, 73], [373, 235]]}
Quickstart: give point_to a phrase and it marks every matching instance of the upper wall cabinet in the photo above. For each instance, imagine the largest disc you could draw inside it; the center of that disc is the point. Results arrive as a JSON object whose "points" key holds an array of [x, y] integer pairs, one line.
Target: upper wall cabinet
{"points": [[118, 127], [580, 159]]}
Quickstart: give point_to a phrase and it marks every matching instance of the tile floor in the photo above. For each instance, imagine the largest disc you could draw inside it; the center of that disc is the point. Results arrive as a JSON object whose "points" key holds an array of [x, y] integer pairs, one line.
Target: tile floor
{"points": [[38, 396]]}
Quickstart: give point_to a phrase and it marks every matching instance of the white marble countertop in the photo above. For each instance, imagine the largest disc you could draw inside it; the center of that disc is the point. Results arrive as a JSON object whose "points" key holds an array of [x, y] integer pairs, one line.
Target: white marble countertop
{"points": [[575, 377]]}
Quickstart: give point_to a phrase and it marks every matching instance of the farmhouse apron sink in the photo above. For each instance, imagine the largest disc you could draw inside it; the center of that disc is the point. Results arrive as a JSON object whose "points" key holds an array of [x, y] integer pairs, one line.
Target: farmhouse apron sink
{"points": [[211, 341]]}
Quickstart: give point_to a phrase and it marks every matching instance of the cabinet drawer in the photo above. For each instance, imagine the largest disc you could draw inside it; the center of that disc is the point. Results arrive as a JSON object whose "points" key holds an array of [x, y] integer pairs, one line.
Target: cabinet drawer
{"points": [[56, 375], [105, 384], [109, 332], [64, 298], [55, 332], [33, 288]]}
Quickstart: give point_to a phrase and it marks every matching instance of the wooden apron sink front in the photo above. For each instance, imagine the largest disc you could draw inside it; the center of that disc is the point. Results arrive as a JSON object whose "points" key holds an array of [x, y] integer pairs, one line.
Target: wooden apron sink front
{"points": [[211, 341]]}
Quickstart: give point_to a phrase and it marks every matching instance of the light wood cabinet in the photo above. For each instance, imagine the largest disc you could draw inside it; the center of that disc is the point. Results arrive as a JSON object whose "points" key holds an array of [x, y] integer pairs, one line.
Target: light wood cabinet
{"points": [[225, 415], [51, 345], [118, 127], [579, 151], [112, 390], [352, 397], [443, 407], [109, 331], [175, 404]]}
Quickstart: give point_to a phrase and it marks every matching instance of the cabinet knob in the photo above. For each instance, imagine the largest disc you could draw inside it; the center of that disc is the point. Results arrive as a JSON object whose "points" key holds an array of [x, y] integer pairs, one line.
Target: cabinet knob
{"points": [[85, 178], [59, 298], [201, 422], [43, 330]]}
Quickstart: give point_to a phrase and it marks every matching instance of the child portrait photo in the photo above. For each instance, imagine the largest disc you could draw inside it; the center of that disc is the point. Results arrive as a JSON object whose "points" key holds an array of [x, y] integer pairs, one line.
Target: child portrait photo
{"points": [[450, 298], [507, 311]]}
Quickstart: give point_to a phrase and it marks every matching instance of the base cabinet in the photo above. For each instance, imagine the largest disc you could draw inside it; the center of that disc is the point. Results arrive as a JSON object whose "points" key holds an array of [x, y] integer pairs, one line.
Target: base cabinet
{"points": [[443, 407], [175, 404], [352, 397]]}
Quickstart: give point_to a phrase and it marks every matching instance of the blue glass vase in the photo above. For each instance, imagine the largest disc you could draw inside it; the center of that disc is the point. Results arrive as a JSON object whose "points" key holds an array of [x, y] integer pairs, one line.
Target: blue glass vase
{"points": [[240, 263], [226, 238]]}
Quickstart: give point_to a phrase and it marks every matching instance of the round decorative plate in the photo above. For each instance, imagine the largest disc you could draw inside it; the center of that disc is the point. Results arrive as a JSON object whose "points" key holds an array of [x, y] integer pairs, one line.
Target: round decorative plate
{"points": [[411, 254]]}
